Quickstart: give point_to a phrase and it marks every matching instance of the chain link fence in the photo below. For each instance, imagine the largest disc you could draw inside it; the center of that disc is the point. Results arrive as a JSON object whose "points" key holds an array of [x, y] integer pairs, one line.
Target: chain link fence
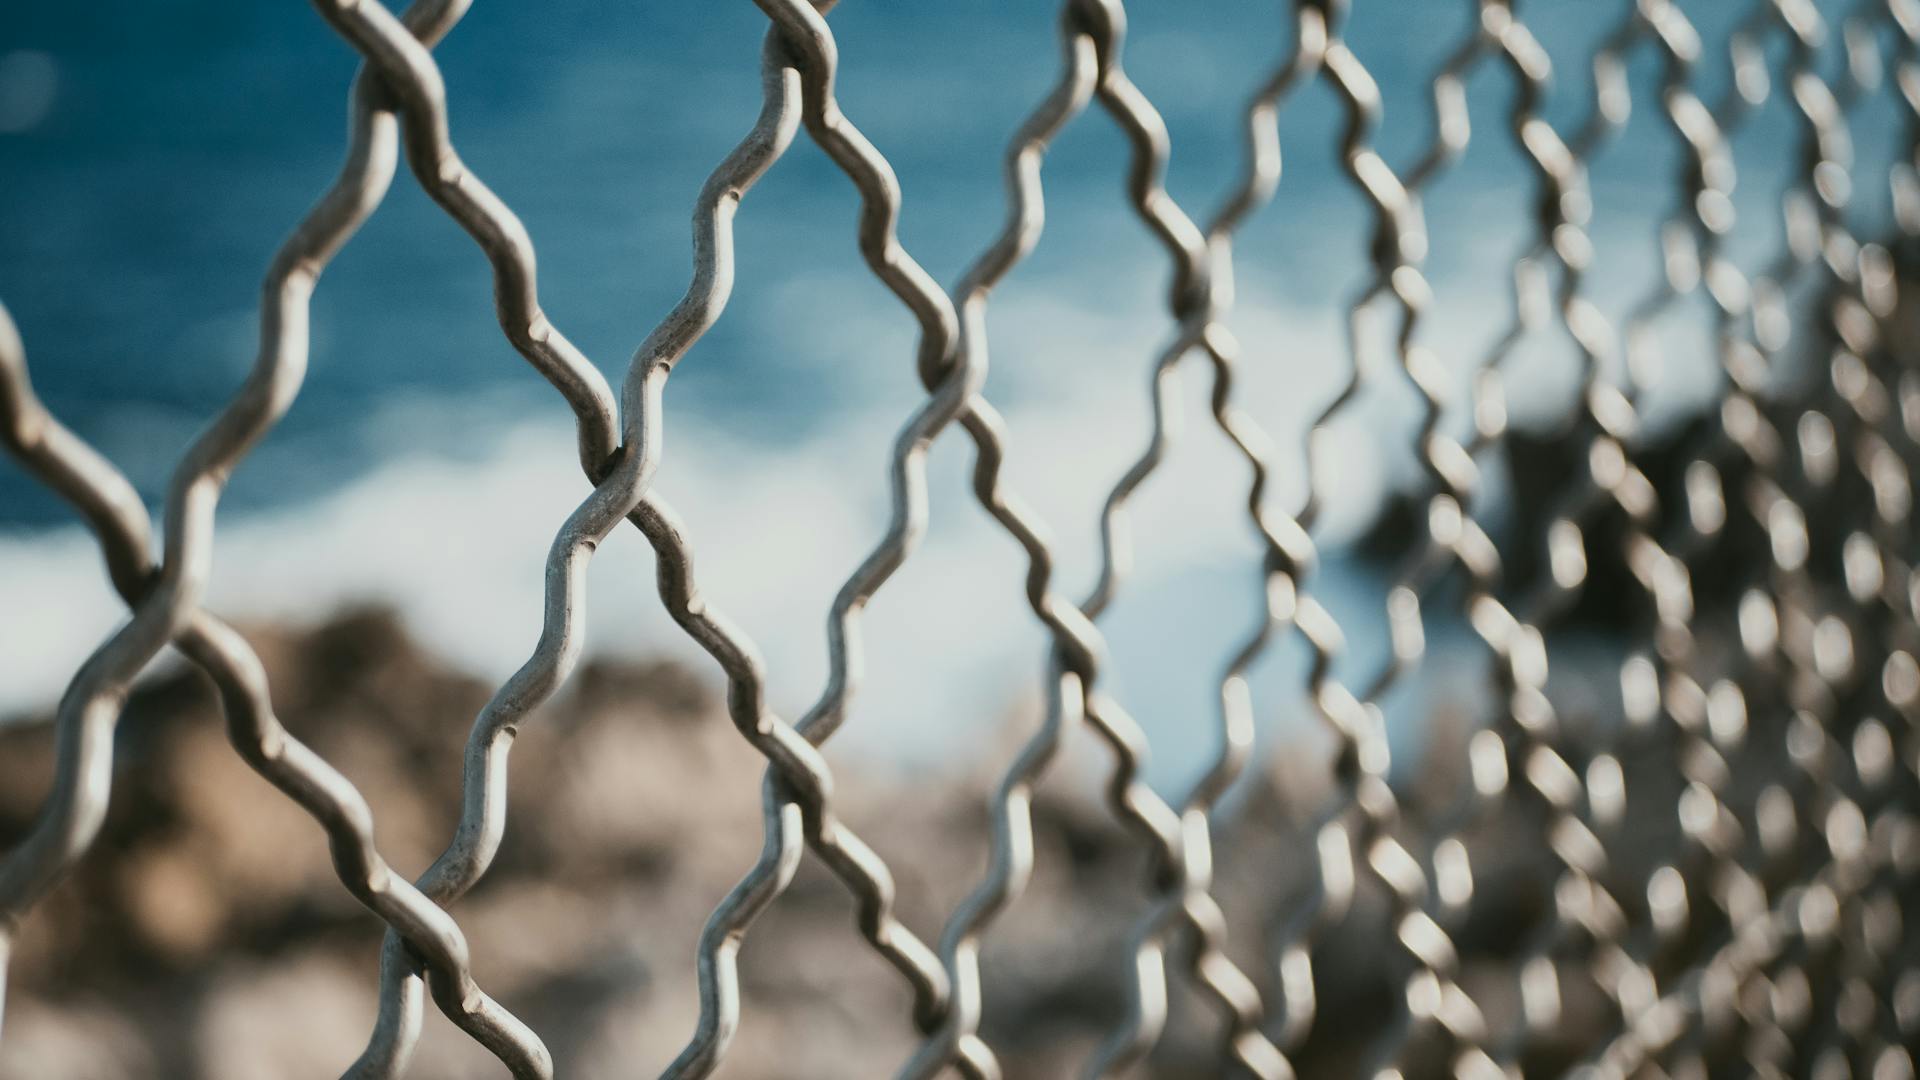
{"points": [[1758, 568]]}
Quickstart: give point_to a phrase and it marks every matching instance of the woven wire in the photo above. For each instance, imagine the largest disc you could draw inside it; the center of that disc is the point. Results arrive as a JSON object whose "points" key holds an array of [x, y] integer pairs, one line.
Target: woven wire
{"points": [[1768, 939]]}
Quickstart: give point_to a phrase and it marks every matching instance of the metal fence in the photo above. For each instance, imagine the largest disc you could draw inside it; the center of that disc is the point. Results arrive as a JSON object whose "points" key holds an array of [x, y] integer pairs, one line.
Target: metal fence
{"points": [[1770, 714]]}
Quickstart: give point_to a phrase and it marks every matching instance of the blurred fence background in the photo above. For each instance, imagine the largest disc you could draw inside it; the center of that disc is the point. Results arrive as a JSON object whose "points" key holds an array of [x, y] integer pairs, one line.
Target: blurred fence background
{"points": [[1612, 770]]}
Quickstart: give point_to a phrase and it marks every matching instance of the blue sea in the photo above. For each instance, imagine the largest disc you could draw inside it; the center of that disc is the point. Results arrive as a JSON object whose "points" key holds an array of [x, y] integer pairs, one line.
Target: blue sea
{"points": [[152, 156]]}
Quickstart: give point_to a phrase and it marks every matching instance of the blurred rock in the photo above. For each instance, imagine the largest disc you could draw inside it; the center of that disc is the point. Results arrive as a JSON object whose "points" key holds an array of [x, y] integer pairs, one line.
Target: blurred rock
{"points": [[206, 935]]}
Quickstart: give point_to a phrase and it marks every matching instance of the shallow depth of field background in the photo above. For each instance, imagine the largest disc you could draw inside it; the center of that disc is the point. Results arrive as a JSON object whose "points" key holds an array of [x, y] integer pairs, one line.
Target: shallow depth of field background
{"points": [[151, 159]]}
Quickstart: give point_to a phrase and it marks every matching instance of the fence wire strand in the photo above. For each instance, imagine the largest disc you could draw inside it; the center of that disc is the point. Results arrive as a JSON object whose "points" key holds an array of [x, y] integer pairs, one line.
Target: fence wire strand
{"points": [[1763, 930]]}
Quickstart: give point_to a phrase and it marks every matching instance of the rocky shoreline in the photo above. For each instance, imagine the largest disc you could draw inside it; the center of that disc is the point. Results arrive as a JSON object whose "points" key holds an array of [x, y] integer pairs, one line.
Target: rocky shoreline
{"points": [[206, 935]]}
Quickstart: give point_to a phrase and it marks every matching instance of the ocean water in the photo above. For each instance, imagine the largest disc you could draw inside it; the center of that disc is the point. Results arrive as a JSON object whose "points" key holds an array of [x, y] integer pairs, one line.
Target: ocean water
{"points": [[151, 158]]}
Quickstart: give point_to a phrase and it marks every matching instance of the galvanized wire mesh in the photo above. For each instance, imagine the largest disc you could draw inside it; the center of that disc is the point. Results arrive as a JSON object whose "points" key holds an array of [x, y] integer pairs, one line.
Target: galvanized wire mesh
{"points": [[1765, 933]]}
